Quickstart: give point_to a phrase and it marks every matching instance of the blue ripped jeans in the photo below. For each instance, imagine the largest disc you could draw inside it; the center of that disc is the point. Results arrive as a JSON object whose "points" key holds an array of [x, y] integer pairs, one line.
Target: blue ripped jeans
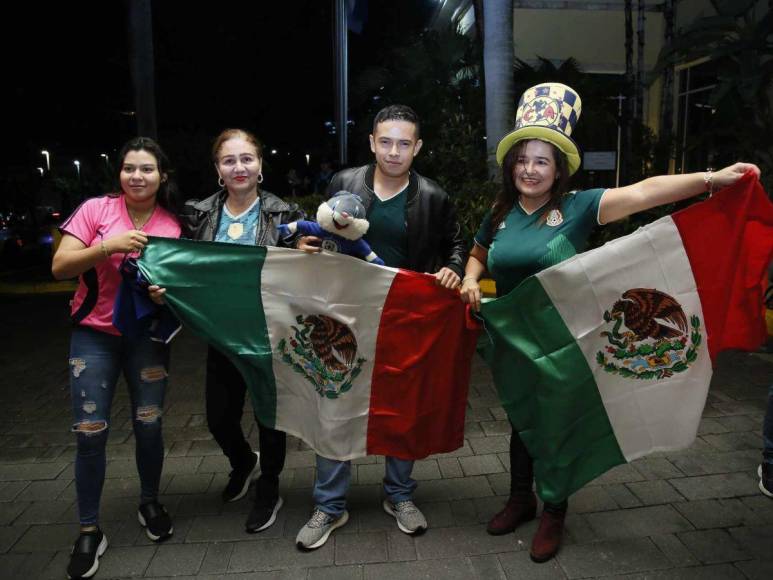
{"points": [[96, 361]]}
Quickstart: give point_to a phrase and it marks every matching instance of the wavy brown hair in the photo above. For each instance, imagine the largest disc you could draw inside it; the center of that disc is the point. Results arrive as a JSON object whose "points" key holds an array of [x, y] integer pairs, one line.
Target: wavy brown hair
{"points": [[507, 197]]}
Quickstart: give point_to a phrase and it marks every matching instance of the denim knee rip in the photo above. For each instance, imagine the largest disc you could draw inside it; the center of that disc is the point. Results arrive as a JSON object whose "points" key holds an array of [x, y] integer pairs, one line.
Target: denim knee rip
{"points": [[152, 374], [89, 427], [148, 414], [77, 365]]}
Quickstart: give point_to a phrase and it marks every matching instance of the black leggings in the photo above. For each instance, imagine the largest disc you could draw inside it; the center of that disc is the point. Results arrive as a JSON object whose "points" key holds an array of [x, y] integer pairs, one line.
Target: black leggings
{"points": [[225, 393], [522, 472]]}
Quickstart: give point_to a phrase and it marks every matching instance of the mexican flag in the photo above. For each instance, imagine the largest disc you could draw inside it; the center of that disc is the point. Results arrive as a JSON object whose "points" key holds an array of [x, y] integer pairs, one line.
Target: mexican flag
{"points": [[607, 356], [352, 358]]}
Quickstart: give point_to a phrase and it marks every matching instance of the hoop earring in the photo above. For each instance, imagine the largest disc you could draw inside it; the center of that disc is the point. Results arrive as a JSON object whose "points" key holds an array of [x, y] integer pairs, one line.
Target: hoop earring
{"points": [[220, 182], [260, 177]]}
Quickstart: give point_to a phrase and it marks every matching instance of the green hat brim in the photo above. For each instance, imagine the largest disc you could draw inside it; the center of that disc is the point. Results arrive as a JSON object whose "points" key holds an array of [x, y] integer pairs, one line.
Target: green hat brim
{"points": [[554, 136]]}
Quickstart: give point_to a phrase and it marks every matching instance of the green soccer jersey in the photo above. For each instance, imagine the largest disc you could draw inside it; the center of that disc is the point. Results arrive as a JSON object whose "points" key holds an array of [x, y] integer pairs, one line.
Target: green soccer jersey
{"points": [[387, 234], [522, 246]]}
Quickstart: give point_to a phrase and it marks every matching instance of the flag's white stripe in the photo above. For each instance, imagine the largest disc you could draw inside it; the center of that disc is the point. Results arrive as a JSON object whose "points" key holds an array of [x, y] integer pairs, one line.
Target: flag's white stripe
{"points": [[349, 290], [646, 415]]}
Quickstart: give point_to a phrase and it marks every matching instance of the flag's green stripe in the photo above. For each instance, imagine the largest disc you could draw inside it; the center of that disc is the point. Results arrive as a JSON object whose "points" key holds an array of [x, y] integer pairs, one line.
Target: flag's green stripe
{"points": [[548, 391], [216, 294]]}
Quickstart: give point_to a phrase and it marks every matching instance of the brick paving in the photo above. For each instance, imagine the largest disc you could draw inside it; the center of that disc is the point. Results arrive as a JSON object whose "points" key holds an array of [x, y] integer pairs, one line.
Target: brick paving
{"points": [[692, 514]]}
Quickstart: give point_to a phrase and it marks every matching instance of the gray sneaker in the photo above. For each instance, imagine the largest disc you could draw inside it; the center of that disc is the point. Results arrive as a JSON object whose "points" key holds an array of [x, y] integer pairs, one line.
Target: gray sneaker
{"points": [[317, 530], [409, 518]]}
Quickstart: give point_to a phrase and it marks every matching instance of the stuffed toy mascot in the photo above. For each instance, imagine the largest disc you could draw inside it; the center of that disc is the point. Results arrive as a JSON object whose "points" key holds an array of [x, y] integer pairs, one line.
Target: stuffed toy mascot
{"points": [[340, 225]]}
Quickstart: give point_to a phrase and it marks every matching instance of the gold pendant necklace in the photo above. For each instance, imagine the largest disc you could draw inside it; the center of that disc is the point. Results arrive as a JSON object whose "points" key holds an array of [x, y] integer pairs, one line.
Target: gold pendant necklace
{"points": [[140, 221]]}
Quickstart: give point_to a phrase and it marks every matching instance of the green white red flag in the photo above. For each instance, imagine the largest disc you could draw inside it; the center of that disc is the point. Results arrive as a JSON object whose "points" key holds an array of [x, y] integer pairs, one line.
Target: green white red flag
{"points": [[608, 356], [352, 358]]}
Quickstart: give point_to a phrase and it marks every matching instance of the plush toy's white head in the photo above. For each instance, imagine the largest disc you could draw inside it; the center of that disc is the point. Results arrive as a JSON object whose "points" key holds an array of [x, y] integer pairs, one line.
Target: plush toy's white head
{"points": [[343, 215]]}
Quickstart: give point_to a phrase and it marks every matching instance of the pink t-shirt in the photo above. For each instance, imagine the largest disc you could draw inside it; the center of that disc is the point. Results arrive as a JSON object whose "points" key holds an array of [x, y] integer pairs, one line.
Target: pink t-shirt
{"points": [[97, 219]]}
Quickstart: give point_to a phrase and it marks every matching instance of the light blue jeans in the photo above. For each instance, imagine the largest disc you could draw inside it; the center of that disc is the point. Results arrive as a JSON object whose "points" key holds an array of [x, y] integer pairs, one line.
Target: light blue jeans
{"points": [[334, 477]]}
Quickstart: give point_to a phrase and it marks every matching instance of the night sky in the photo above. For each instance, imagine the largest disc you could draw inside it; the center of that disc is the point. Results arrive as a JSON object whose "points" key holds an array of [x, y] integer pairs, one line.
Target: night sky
{"points": [[264, 65]]}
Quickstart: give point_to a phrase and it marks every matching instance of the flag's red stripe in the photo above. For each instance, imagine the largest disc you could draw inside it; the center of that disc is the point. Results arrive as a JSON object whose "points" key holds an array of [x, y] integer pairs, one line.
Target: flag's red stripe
{"points": [[729, 242], [422, 371]]}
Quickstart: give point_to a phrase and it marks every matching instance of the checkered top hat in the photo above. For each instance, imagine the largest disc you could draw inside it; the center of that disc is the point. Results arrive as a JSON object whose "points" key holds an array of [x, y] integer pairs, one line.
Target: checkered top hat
{"points": [[548, 112]]}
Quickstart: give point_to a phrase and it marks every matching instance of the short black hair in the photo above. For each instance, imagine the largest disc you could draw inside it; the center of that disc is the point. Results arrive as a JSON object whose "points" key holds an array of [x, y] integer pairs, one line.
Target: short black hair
{"points": [[397, 113]]}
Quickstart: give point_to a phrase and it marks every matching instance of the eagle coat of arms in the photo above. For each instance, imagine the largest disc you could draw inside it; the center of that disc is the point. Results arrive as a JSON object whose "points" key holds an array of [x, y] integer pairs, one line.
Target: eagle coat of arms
{"points": [[657, 341], [324, 351]]}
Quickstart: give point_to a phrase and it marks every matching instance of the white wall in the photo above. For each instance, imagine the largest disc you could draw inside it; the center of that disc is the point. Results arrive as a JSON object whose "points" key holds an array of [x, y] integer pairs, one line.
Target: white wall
{"points": [[595, 38]]}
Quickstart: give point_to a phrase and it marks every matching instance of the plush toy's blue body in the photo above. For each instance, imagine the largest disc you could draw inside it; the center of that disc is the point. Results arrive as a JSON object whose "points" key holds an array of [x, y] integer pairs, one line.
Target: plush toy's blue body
{"points": [[340, 225]]}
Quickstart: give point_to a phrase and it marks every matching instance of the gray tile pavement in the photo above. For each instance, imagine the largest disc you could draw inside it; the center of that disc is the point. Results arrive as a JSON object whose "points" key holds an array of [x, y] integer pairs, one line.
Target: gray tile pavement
{"points": [[696, 513]]}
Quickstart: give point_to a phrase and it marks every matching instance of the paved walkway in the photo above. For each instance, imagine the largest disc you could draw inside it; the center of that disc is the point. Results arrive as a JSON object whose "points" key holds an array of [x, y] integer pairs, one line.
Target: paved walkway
{"points": [[693, 514]]}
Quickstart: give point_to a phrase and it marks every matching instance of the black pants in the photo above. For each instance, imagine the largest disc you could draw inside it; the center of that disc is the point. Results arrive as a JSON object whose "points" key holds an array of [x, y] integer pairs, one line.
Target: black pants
{"points": [[225, 392], [522, 471]]}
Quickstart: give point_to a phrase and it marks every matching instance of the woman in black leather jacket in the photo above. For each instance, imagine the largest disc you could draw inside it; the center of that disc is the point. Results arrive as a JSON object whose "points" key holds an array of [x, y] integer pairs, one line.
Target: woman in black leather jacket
{"points": [[243, 214]]}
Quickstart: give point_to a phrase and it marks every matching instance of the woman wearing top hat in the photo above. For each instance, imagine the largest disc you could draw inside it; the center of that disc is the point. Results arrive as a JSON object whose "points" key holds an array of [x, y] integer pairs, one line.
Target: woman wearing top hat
{"points": [[536, 222]]}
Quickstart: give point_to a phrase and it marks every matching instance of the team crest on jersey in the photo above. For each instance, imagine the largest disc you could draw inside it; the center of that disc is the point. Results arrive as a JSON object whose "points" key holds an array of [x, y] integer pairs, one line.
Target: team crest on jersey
{"points": [[555, 218], [235, 230], [324, 351], [657, 340], [329, 245]]}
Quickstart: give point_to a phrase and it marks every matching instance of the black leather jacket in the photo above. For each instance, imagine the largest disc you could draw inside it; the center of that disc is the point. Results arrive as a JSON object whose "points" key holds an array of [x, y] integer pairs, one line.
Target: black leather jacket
{"points": [[434, 235], [200, 218]]}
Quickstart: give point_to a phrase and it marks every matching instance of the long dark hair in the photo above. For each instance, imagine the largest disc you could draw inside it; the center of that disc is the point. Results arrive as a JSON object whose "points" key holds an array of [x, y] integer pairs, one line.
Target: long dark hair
{"points": [[168, 195], [507, 197]]}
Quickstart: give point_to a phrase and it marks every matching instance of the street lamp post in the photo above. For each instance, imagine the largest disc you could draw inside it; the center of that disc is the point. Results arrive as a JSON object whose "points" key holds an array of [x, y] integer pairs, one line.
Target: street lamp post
{"points": [[619, 99], [77, 168], [41, 171], [341, 29], [106, 158], [48, 159]]}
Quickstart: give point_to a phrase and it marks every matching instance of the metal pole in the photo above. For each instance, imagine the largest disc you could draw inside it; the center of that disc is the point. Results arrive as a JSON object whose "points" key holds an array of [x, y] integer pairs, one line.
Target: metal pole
{"points": [[686, 119], [619, 140], [639, 105], [141, 64], [619, 99], [667, 97], [342, 93]]}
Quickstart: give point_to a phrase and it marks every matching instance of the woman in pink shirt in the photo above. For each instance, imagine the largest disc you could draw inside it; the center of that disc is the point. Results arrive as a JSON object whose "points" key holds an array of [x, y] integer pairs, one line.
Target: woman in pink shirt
{"points": [[96, 238]]}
